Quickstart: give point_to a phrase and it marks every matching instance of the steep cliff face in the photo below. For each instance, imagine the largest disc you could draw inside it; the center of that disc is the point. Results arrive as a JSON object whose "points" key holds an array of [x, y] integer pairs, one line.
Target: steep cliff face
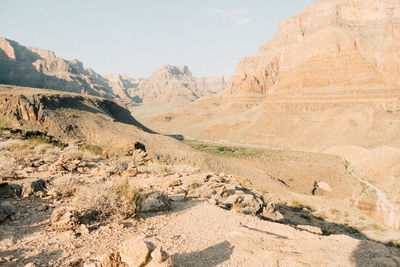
{"points": [[27, 66], [331, 43]]}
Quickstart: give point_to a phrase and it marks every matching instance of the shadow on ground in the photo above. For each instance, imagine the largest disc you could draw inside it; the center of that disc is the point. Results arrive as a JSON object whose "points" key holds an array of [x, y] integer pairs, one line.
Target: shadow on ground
{"points": [[209, 257], [369, 252]]}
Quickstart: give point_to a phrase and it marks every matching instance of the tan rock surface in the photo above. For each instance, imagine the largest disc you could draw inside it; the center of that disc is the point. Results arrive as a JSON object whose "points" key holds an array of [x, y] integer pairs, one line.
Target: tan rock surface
{"points": [[331, 43], [28, 66]]}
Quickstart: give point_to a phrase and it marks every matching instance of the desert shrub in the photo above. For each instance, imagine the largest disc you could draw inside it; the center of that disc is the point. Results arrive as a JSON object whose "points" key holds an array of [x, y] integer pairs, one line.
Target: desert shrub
{"points": [[110, 198], [226, 149], [65, 186], [129, 201], [97, 150]]}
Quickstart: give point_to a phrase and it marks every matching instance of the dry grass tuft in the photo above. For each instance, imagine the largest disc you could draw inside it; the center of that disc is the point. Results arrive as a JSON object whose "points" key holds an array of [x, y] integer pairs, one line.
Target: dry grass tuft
{"points": [[65, 186], [110, 198]]}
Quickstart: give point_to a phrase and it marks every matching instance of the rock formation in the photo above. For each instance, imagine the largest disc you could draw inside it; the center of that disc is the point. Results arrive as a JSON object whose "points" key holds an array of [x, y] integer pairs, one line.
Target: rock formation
{"points": [[328, 77], [28, 66], [331, 43], [121, 84], [213, 83], [168, 84], [33, 67]]}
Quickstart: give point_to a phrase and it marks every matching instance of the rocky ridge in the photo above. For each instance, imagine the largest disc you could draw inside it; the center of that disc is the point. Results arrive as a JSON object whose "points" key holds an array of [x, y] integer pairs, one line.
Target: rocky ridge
{"points": [[168, 84], [28, 66], [33, 67]]}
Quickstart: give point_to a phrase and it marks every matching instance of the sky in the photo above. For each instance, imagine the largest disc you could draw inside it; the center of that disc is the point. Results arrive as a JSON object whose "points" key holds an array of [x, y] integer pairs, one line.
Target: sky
{"points": [[135, 37]]}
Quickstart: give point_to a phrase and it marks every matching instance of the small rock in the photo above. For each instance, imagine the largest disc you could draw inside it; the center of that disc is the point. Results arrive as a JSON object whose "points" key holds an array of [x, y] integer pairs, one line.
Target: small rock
{"points": [[33, 187], [213, 201], [43, 208], [83, 229], [118, 226], [31, 264], [159, 255], [112, 260], [269, 212], [174, 183], [6, 211], [53, 193]]}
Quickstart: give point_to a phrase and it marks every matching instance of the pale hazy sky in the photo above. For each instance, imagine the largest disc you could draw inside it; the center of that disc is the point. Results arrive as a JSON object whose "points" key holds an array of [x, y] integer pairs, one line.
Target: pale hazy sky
{"points": [[135, 37]]}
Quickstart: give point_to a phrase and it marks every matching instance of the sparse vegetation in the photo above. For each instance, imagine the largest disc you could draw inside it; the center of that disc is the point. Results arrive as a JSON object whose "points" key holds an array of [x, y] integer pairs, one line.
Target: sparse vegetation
{"points": [[110, 198], [5, 123], [376, 227], [335, 211], [224, 150], [129, 199], [297, 204], [65, 186], [95, 149]]}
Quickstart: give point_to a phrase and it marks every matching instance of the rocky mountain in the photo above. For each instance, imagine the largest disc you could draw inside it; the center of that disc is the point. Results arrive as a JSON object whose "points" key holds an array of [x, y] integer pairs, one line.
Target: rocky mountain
{"points": [[331, 43], [167, 84], [121, 84], [33, 67]]}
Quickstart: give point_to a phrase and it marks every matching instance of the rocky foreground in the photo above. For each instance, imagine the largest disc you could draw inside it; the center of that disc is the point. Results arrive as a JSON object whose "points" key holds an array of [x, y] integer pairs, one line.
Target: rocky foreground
{"points": [[70, 207]]}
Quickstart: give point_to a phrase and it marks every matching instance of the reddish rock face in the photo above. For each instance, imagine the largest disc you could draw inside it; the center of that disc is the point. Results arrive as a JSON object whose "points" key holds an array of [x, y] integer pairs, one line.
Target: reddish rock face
{"points": [[331, 43]]}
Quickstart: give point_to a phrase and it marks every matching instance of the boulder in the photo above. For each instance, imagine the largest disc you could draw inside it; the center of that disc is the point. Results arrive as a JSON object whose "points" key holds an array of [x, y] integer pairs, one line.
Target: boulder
{"points": [[135, 252], [154, 202], [247, 204], [159, 258], [269, 212]]}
